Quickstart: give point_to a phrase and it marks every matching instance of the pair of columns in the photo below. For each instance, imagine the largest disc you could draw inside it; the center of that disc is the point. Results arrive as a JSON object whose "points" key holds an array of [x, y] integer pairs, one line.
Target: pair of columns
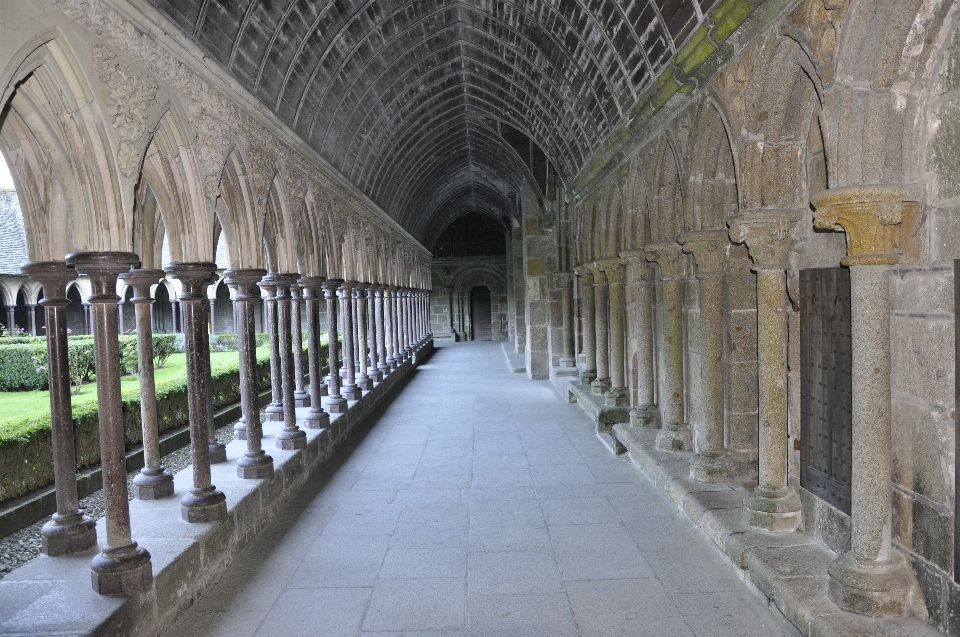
{"points": [[602, 283]]}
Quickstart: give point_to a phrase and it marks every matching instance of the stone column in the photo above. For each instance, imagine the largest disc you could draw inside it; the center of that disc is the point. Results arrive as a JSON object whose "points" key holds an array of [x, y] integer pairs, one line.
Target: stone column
{"points": [[871, 578], [300, 396], [275, 408], [373, 371], [152, 482], [317, 418], [291, 436], [360, 300], [601, 324], [213, 309], [617, 394], [204, 503], [589, 330], [378, 316], [11, 320], [336, 403], [218, 450], [773, 505], [640, 325], [565, 281], [350, 391], [401, 303], [174, 325], [120, 327], [255, 463], [675, 433], [389, 326], [711, 462], [68, 531], [121, 567], [32, 314]]}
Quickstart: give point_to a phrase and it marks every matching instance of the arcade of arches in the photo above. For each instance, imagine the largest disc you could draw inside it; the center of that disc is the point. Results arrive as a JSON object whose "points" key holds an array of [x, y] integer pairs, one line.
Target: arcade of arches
{"points": [[725, 228]]}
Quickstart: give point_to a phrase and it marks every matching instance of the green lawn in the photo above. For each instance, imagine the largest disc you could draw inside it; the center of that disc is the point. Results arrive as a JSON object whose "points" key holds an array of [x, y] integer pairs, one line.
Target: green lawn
{"points": [[15, 407]]}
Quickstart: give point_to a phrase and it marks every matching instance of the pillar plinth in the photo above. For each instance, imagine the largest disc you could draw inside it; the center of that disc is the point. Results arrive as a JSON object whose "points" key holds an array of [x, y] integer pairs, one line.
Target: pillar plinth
{"points": [[773, 505], [274, 410], [300, 396], [152, 482], [643, 412], [335, 402], [291, 436], [675, 434], [871, 578], [255, 463], [204, 503], [589, 373], [68, 531], [364, 381], [317, 418], [709, 248], [121, 567]]}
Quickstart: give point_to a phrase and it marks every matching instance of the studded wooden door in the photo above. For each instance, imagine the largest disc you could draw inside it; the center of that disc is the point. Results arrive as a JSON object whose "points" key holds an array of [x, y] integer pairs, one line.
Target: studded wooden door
{"points": [[826, 385]]}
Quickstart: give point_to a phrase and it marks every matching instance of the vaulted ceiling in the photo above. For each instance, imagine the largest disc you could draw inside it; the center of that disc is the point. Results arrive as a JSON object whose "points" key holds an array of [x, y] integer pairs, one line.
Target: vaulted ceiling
{"points": [[420, 102]]}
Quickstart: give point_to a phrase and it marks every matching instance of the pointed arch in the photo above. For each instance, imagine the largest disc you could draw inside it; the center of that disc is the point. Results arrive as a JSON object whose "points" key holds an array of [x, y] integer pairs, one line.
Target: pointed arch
{"points": [[667, 211], [713, 182]]}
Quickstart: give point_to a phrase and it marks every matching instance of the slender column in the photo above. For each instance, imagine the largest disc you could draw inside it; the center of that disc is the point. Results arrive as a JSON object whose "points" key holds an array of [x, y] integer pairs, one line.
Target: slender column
{"points": [[316, 418], [218, 450], [300, 396], [711, 462], [589, 374], [564, 281], [120, 327], [336, 403], [291, 436], [11, 320], [390, 338], [360, 301], [871, 578], [87, 319], [350, 391], [32, 316], [68, 531], [373, 371], [395, 326], [640, 324], [275, 408], [173, 317], [255, 463], [617, 395], [405, 322], [356, 335], [152, 482], [675, 433], [601, 324], [204, 503], [213, 310], [383, 366], [121, 567]]}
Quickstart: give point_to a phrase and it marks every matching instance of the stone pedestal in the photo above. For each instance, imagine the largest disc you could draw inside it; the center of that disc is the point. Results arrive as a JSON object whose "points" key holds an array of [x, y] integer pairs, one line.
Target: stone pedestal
{"points": [[589, 373], [68, 531], [122, 567], [871, 578], [291, 436], [335, 402], [640, 326], [773, 505], [709, 248], [274, 410], [300, 396], [152, 482], [255, 463], [317, 418], [675, 434]]}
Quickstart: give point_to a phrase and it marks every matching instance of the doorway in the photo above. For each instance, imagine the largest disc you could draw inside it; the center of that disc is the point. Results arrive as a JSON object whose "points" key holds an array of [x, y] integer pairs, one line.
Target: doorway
{"points": [[480, 313]]}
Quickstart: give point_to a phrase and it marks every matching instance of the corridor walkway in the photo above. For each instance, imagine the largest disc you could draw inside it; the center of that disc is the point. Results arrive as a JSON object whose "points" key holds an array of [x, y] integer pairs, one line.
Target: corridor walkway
{"points": [[479, 504]]}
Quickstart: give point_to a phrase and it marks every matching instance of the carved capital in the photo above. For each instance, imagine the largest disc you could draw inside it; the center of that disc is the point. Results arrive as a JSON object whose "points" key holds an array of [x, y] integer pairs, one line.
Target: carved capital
{"points": [[709, 250], [872, 217], [669, 255], [636, 263], [141, 280], [768, 235], [613, 269], [585, 273]]}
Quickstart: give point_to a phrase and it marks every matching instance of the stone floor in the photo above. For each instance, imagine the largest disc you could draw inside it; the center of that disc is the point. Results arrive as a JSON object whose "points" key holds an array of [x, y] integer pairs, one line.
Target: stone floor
{"points": [[479, 504]]}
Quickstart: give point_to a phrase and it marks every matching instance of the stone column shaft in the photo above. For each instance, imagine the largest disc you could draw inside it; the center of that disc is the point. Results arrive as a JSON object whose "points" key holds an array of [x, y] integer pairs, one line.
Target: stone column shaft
{"points": [[601, 325], [640, 324], [275, 408], [376, 336], [291, 436], [300, 396], [616, 394], [317, 418], [589, 329], [350, 391], [360, 300], [336, 403], [566, 302]]}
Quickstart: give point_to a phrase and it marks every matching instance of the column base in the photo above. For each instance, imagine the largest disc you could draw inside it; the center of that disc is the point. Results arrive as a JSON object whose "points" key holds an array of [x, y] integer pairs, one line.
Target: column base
{"points": [[152, 484], [316, 419], [218, 452], [616, 397], [710, 466], [869, 587], [254, 467], [599, 385], [274, 412], [645, 417], [240, 429], [292, 440], [364, 383], [121, 571], [350, 392], [774, 510], [384, 369], [375, 375], [588, 376], [301, 399], [69, 534], [567, 361], [204, 505], [336, 404], [676, 437], [322, 390]]}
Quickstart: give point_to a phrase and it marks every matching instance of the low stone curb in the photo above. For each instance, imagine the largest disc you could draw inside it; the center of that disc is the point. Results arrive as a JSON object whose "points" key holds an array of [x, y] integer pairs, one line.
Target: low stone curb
{"points": [[515, 361], [53, 596]]}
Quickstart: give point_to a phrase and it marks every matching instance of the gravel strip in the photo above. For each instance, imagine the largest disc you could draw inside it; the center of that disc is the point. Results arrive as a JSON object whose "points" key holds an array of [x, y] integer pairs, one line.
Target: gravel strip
{"points": [[24, 545]]}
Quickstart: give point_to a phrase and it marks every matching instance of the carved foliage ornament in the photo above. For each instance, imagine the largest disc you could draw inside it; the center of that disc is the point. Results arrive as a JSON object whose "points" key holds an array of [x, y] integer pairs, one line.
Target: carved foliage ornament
{"points": [[129, 96], [768, 234]]}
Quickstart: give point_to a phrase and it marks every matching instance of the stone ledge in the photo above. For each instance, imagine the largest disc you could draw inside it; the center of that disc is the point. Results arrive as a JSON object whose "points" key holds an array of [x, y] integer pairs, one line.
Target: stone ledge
{"points": [[53, 596], [594, 405], [790, 569], [515, 362]]}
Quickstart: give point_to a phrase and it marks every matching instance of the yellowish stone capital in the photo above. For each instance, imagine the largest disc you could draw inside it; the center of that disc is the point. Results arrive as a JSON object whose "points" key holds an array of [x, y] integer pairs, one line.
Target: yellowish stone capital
{"points": [[768, 234]]}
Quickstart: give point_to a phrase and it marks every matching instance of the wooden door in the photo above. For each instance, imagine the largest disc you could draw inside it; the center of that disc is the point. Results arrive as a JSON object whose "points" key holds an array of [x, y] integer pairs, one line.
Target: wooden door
{"points": [[480, 313]]}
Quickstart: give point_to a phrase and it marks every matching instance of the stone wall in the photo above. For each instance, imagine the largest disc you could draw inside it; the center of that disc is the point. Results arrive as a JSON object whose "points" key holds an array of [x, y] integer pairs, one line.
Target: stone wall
{"points": [[453, 279]]}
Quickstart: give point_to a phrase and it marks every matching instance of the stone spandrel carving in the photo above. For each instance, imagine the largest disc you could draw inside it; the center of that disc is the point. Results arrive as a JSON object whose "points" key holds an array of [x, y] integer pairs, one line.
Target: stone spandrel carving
{"points": [[768, 234], [212, 141], [129, 96]]}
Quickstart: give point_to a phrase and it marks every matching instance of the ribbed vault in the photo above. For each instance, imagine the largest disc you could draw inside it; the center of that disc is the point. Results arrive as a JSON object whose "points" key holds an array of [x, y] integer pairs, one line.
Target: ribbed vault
{"points": [[408, 98]]}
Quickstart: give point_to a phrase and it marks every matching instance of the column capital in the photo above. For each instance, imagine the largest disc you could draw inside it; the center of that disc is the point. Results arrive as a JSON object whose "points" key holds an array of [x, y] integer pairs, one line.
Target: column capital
{"points": [[195, 277], [612, 268], [283, 281], [669, 255], [636, 263], [768, 234], [330, 286], [584, 273], [361, 287], [141, 280], [872, 218], [709, 250], [244, 277], [53, 276], [103, 268]]}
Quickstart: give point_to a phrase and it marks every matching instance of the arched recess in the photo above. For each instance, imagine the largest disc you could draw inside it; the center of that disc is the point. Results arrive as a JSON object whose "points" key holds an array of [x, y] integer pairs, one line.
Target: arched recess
{"points": [[460, 288], [275, 236], [613, 228], [713, 182], [54, 141], [636, 225], [236, 213], [666, 215]]}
